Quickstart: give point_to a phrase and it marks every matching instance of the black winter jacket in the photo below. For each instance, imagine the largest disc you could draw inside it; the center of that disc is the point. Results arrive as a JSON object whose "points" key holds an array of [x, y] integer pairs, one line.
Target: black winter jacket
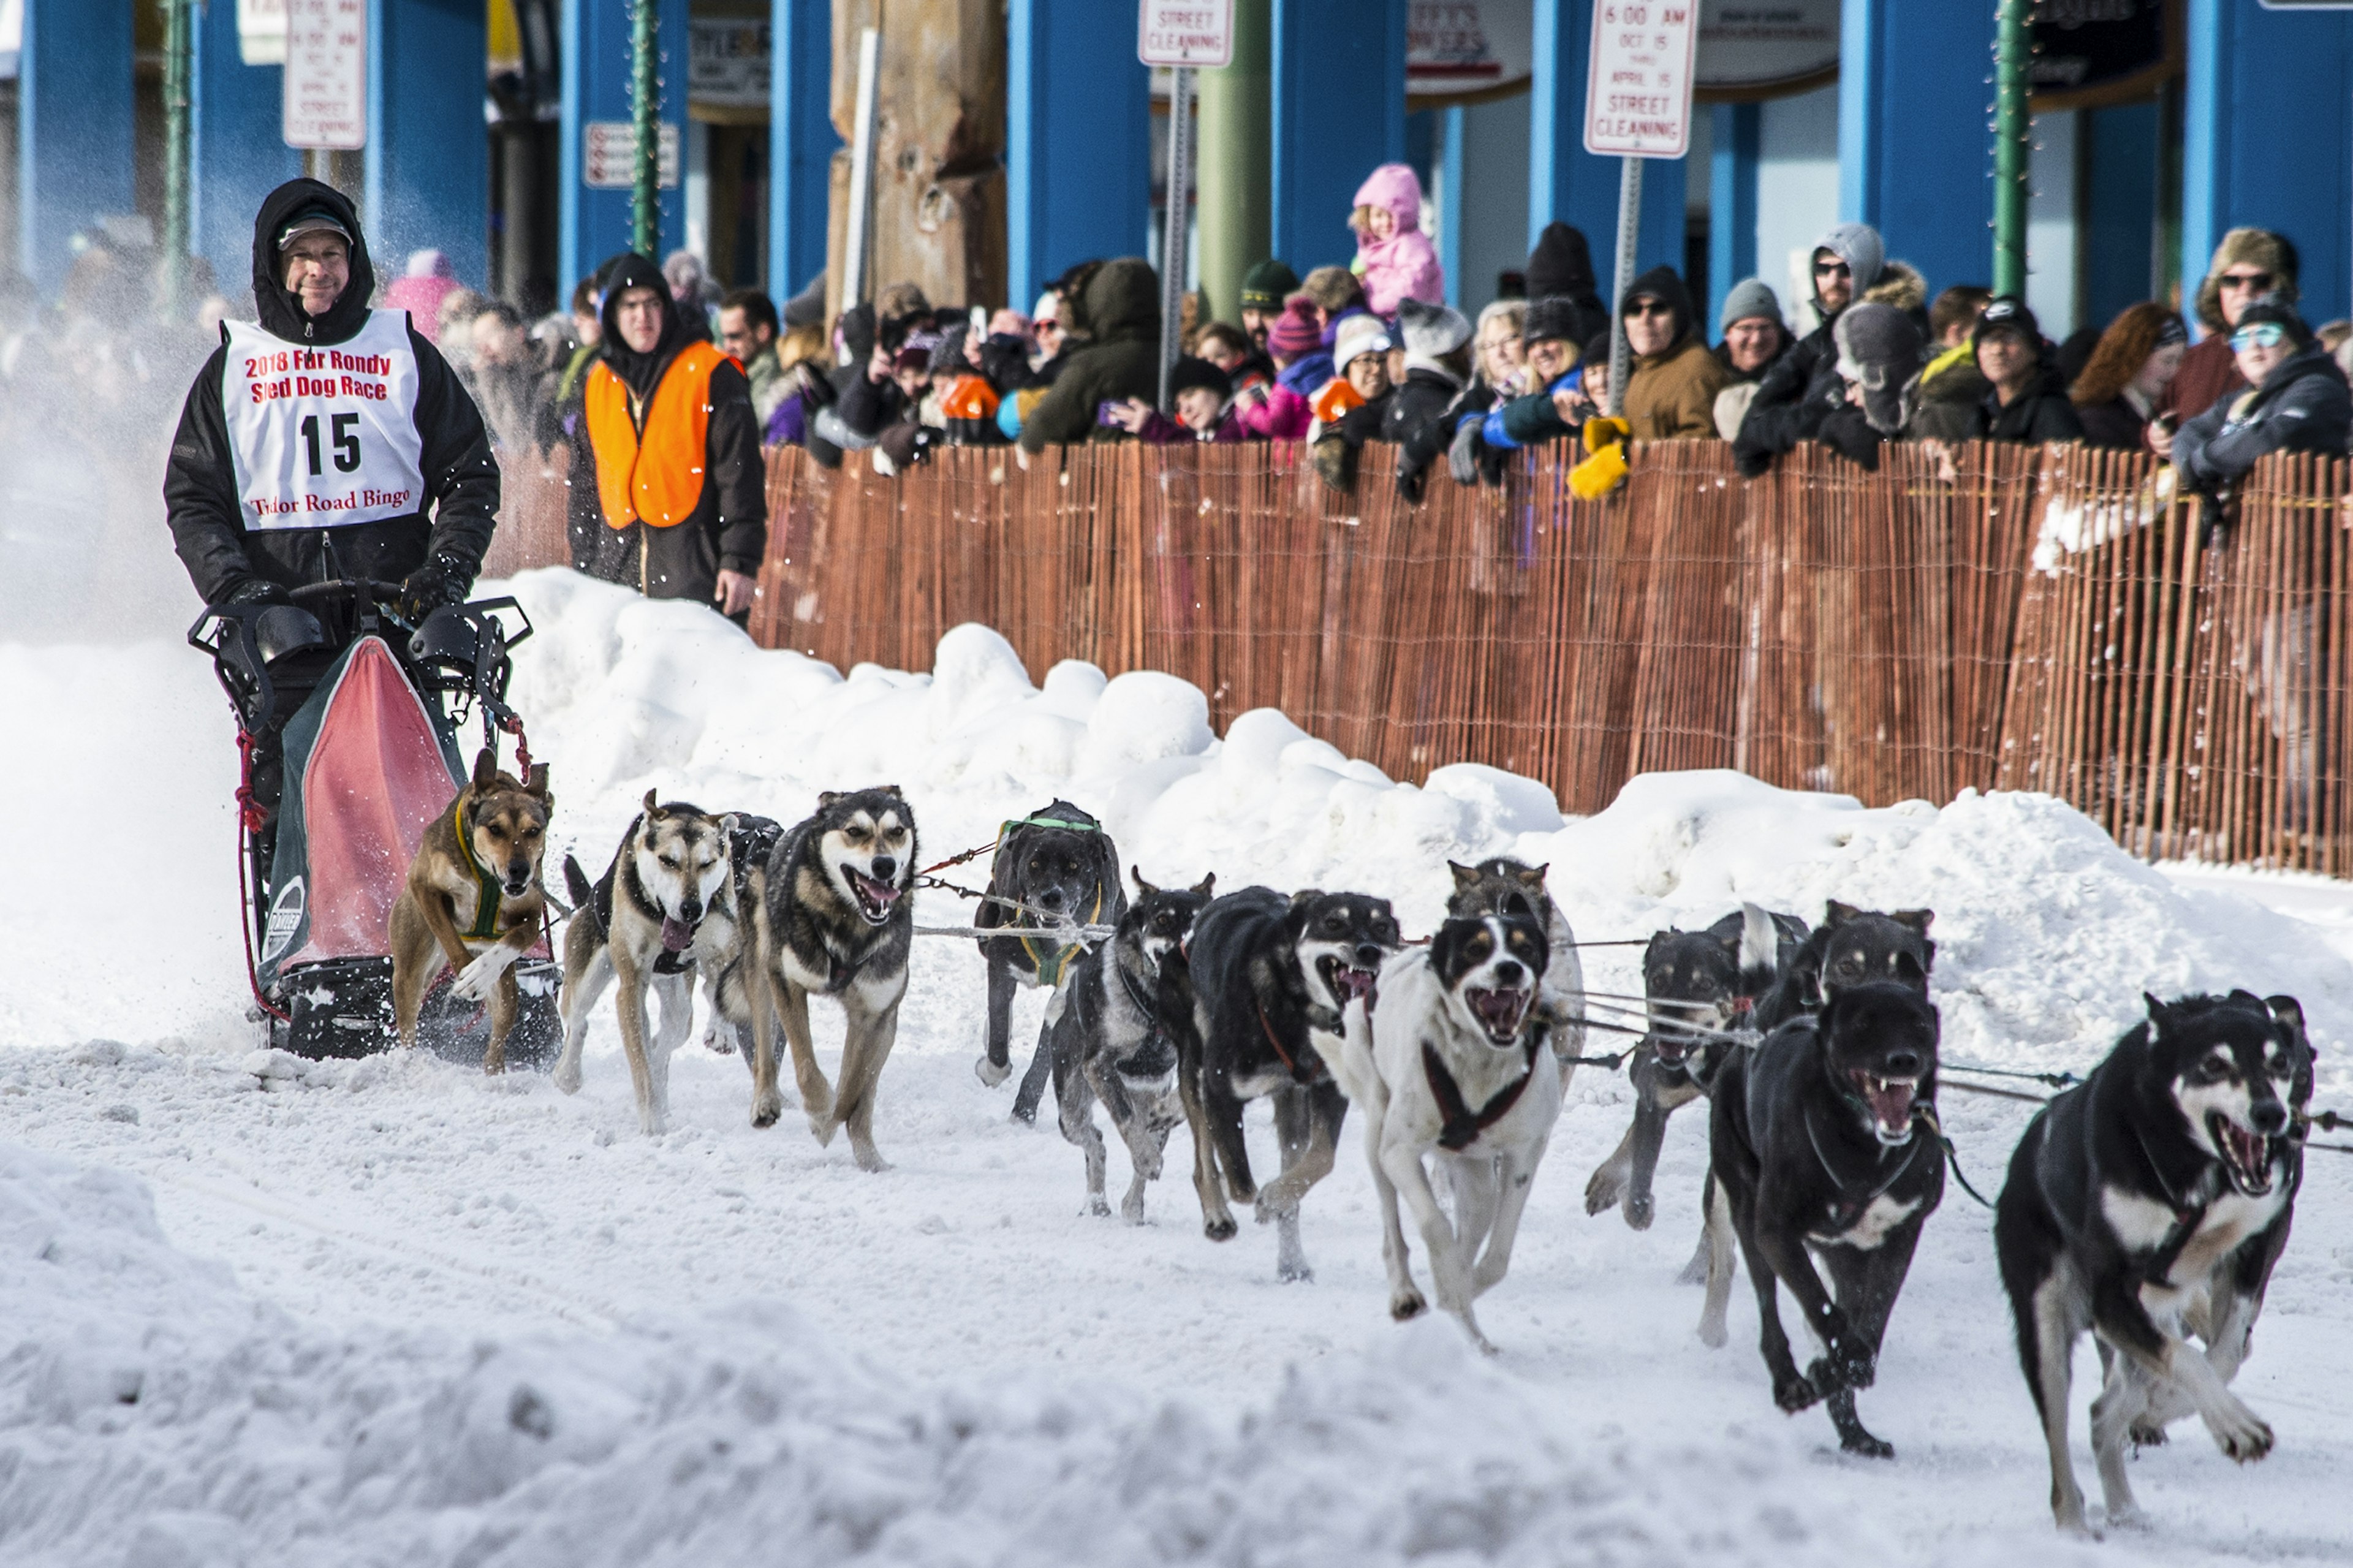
{"points": [[2041, 414], [200, 497], [2302, 407], [1420, 421], [1120, 360], [1778, 418]]}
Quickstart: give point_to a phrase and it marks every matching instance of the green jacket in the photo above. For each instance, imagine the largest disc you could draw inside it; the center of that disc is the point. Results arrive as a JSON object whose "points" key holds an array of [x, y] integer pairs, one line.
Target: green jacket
{"points": [[1121, 359]]}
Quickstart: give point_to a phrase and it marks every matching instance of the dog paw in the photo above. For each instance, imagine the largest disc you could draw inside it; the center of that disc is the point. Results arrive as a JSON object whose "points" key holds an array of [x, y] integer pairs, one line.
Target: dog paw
{"points": [[1097, 1207], [1407, 1304], [869, 1158], [1131, 1210], [1862, 1445], [1294, 1271], [1023, 1115], [568, 1076], [766, 1109], [822, 1127], [1841, 1369], [1639, 1210], [1794, 1393], [1219, 1227], [2129, 1516], [991, 1073], [2146, 1435], [1712, 1333], [2240, 1433], [1603, 1190], [479, 979]]}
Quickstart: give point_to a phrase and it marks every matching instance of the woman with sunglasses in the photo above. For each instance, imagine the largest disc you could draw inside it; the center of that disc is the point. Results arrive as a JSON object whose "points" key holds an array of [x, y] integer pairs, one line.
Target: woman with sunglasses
{"points": [[2297, 402]]}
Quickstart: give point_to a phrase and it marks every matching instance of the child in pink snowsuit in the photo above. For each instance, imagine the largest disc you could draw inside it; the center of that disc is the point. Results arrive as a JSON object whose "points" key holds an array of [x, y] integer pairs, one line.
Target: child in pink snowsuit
{"points": [[1394, 257]]}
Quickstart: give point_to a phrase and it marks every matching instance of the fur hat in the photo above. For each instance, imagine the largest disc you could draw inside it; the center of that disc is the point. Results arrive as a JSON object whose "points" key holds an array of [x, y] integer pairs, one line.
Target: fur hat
{"points": [[1359, 336], [2257, 248], [1333, 288], [1431, 331], [1859, 246], [1266, 284], [1553, 316], [1749, 299], [1879, 350], [1294, 333], [1900, 285]]}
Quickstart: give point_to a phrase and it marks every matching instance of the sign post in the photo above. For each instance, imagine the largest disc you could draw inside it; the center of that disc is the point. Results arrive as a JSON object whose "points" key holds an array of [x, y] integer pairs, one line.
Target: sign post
{"points": [[1184, 35], [1638, 105]]}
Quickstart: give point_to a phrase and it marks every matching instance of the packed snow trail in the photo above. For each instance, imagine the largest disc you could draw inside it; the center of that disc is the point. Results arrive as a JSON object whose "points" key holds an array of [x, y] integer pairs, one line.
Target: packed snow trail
{"points": [[472, 1319]]}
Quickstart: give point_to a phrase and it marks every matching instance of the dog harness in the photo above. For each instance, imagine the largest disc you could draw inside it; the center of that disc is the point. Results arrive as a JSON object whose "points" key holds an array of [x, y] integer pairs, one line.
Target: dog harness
{"points": [[1048, 959], [1846, 1211], [1292, 1066], [488, 891], [1462, 1124]]}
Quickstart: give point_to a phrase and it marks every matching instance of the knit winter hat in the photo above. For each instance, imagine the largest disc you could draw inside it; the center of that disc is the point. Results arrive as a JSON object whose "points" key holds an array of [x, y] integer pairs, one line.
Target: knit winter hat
{"points": [[1294, 333], [1749, 299], [1431, 331], [1266, 284], [1879, 350], [1859, 246], [1557, 316], [1561, 263], [1359, 336], [1191, 372]]}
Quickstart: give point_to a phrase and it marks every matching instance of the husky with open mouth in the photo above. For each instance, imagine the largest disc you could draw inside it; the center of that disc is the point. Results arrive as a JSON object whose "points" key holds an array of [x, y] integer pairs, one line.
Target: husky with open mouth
{"points": [[1269, 976], [662, 905], [836, 921], [1452, 1068], [2149, 1204], [1822, 1142]]}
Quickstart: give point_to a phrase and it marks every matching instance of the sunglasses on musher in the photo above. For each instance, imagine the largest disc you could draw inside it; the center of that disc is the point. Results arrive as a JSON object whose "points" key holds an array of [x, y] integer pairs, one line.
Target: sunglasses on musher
{"points": [[2262, 335]]}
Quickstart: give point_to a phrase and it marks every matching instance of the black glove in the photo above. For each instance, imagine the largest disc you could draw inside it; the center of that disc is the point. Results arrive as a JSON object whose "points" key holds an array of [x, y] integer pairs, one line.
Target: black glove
{"points": [[256, 590], [440, 580], [1462, 456]]}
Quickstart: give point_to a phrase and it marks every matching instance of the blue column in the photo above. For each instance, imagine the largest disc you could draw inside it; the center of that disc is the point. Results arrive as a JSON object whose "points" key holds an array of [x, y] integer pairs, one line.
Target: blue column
{"points": [[2267, 122], [1565, 181], [1078, 140], [1338, 113], [238, 146], [429, 151], [73, 128], [801, 141], [2119, 208], [594, 225], [1915, 153], [1449, 212], [1738, 131]]}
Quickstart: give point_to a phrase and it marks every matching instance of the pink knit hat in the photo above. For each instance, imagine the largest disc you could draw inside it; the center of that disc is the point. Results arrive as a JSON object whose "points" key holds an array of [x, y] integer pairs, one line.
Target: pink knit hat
{"points": [[1295, 331]]}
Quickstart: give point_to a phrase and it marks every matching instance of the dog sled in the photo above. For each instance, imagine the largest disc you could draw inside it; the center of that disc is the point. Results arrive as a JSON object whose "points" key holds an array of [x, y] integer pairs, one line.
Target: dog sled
{"points": [[341, 701]]}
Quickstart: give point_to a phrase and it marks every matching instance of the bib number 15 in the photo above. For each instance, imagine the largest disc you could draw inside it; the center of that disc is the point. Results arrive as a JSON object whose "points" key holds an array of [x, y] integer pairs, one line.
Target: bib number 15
{"points": [[342, 435]]}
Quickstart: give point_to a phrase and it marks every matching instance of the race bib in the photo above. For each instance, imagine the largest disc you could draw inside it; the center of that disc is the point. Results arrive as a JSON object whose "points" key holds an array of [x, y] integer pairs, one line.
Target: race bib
{"points": [[324, 436]]}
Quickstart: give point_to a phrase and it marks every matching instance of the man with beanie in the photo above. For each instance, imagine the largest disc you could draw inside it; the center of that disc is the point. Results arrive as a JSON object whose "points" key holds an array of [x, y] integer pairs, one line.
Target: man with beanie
{"points": [[1436, 369], [2296, 401], [2249, 264], [1847, 261], [2026, 398], [1561, 267], [1264, 288], [1755, 339], [1671, 390], [681, 485]]}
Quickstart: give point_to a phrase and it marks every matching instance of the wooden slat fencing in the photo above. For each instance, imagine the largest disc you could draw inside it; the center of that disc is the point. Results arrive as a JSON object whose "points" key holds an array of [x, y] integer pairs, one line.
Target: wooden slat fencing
{"points": [[1995, 617]]}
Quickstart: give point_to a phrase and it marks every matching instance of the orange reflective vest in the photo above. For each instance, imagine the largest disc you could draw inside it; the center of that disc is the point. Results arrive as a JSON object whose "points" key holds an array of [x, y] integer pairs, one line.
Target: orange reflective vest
{"points": [[656, 477]]}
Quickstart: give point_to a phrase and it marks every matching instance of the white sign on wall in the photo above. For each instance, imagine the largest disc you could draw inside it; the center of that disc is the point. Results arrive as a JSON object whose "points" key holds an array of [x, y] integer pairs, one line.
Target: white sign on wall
{"points": [[727, 62], [1638, 96], [326, 73], [261, 32], [608, 160], [1198, 33]]}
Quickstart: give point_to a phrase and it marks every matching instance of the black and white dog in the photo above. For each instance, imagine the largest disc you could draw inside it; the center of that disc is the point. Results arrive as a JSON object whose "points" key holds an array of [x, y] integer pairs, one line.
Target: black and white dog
{"points": [[1503, 886], [1061, 862], [1269, 976], [1849, 947], [2148, 1204], [1816, 1140], [836, 921], [1450, 1067], [1113, 1039], [1710, 980]]}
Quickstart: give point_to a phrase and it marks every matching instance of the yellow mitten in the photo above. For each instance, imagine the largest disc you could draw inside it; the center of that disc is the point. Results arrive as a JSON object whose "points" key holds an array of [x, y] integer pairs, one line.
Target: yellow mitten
{"points": [[1607, 430], [1600, 473]]}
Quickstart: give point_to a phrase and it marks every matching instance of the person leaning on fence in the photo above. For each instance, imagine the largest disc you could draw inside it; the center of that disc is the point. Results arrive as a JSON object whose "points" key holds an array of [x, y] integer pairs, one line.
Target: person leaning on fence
{"points": [[2028, 397], [680, 479], [1548, 411], [1945, 402], [2296, 401], [1755, 339], [1421, 413], [2124, 380], [1119, 358], [1846, 261], [1351, 407], [1671, 391], [1203, 400], [2248, 264], [1857, 399]]}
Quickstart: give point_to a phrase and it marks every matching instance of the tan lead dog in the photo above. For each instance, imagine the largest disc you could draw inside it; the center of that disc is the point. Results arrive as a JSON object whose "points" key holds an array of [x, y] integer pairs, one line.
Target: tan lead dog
{"points": [[474, 900]]}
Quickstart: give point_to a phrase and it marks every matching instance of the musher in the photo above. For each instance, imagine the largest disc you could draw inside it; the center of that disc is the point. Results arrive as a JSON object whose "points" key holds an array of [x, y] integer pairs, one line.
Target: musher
{"points": [[327, 441]]}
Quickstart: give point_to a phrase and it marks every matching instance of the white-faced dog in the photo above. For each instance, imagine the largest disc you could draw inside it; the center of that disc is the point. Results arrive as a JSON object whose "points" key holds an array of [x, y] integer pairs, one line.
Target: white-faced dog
{"points": [[836, 921], [1448, 1067], [2148, 1204], [1500, 885], [662, 907]]}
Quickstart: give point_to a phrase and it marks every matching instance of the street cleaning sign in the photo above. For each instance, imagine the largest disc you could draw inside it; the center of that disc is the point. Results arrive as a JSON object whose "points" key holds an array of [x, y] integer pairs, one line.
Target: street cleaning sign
{"points": [[1196, 33], [608, 155], [326, 74], [1637, 97]]}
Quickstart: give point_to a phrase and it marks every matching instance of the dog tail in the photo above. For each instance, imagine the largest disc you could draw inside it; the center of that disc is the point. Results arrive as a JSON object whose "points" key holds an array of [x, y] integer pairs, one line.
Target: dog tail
{"points": [[576, 883], [1760, 951]]}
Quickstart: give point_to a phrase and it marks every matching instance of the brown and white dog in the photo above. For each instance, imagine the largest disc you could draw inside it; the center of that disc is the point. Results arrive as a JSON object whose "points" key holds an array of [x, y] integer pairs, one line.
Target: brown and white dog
{"points": [[474, 900]]}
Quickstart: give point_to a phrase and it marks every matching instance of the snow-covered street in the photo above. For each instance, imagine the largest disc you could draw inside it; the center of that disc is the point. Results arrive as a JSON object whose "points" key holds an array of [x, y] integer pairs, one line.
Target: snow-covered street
{"points": [[271, 1311]]}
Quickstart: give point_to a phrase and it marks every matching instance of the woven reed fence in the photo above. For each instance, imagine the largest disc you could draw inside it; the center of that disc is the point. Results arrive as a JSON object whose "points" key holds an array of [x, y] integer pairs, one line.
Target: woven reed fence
{"points": [[2000, 617]]}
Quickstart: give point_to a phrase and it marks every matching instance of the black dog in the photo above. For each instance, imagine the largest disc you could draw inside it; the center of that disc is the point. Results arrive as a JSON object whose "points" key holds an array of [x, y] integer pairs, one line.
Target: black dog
{"points": [[2148, 1204], [1849, 947], [1269, 976], [1061, 861], [1709, 979], [1112, 1041], [1816, 1140]]}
